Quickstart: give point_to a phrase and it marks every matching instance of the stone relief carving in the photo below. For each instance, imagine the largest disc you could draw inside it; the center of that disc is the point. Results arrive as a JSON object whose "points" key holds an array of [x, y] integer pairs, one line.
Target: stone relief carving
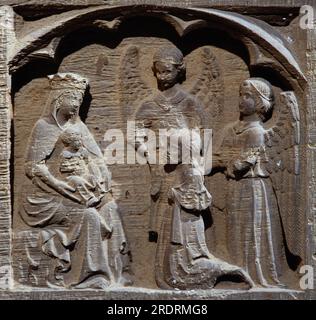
{"points": [[78, 169], [66, 199], [70, 163], [234, 221], [256, 236], [183, 259]]}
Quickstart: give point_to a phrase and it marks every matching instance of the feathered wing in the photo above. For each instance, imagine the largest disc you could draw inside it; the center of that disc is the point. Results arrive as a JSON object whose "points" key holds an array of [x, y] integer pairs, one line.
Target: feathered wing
{"points": [[133, 89], [209, 91], [209, 86], [283, 154]]}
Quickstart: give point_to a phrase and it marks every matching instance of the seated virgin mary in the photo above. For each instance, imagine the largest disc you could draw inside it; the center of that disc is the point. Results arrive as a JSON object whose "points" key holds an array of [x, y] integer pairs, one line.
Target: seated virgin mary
{"points": [[83, 242]]}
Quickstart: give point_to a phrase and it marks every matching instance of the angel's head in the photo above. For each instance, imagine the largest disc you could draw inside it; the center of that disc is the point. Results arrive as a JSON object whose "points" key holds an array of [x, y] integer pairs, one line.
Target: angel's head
{"points": [[256, 97], [168, 67]]}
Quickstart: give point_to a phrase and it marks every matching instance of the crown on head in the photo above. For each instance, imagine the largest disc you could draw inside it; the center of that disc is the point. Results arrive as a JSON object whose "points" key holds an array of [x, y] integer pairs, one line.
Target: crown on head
{"points": [[62, 81]]}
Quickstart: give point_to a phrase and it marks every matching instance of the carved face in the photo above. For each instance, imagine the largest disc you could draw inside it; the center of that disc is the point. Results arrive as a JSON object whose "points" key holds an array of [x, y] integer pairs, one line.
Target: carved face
{"points": [[247, 101], [72, 139], [75, 141], [166, 74], [70, 104]]}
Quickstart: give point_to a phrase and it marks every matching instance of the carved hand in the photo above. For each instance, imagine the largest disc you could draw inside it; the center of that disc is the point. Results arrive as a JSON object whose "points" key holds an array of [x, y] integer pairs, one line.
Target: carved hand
{"points": [[240, 165], [41, 171], [65, 189], [236, 165], [244, 163], [79, 181], [63, 186]]}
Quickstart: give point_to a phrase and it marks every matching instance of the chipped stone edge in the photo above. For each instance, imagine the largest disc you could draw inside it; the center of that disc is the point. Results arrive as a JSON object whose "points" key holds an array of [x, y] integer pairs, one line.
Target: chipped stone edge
{"points": [[6, 41]]}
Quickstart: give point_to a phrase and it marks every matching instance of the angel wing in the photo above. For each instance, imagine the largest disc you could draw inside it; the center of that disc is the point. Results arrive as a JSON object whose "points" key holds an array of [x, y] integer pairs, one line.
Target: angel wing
{"points": [[282, 142], [209, 90], [209, 86], [132, 87]]}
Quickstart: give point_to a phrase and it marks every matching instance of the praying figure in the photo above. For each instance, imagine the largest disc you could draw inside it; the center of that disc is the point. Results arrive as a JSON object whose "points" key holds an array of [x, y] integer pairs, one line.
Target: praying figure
{"points": [[179, 197]]}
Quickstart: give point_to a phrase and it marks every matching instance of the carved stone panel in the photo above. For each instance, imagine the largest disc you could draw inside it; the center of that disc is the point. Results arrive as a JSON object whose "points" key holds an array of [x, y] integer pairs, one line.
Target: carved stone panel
{"points": [[154, 150]]}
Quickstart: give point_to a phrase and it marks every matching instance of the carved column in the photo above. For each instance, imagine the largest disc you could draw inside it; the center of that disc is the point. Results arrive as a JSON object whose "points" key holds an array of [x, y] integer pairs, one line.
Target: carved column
{"points": [[6, 40]]}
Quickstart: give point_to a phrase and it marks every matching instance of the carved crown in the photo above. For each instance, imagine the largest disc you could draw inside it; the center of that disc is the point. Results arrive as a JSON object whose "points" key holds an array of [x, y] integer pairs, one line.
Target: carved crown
{"points": [[61, 81]]}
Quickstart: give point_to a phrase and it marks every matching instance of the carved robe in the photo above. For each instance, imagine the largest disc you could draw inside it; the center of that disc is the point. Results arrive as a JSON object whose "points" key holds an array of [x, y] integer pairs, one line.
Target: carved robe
{"points": [[189, 261], [254, 230], [183, 260], [73, 236], [181, 111]]}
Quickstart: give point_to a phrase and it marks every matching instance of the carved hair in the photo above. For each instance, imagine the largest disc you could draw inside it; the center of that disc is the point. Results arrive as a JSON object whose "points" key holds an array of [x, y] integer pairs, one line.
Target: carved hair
{"points": [[67, 137], [264, 92], [172, 55]]}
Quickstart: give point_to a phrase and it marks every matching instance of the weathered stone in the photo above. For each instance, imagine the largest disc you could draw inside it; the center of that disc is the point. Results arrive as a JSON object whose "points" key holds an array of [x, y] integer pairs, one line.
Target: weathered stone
{"points": [[236, 219]]}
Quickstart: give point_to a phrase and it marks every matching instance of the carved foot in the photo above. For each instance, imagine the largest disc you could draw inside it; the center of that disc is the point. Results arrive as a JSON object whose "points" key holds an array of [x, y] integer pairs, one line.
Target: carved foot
{"points": [[246, 277], [98, 282]]}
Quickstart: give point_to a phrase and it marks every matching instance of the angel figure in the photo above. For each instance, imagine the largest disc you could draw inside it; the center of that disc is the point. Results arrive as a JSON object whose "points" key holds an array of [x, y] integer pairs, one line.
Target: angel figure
{"points": [[172, 107], [179, 197], [256, 239]]}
